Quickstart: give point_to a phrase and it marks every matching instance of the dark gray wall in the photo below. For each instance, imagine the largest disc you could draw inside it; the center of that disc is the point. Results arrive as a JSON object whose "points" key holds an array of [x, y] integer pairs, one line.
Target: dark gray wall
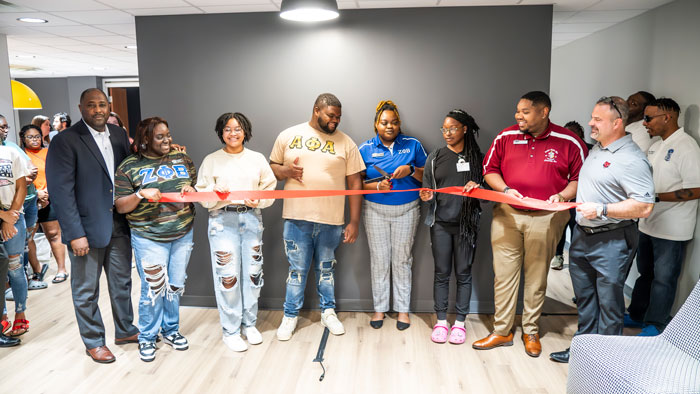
{"points": [[53, 93], [429, 60]]}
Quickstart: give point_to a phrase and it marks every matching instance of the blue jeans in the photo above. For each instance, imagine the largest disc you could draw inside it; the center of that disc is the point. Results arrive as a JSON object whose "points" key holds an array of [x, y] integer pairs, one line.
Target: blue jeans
{"points": [[235, 241], [17, 275], [162, 267], [31, 212], [305, 242], [659, 263]]}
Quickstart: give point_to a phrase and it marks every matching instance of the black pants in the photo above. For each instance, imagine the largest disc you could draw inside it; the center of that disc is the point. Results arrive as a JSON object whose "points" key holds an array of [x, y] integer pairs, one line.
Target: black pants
{"points": [[570, 225], [449, 250]]}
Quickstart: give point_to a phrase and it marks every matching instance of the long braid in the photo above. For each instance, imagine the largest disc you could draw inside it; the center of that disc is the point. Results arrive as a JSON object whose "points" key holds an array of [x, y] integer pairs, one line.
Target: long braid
{"points": [[470, 213]]}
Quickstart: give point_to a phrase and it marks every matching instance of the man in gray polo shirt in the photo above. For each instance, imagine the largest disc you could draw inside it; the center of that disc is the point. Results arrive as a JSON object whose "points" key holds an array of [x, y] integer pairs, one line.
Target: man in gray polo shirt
{"points": [[615, 188]]}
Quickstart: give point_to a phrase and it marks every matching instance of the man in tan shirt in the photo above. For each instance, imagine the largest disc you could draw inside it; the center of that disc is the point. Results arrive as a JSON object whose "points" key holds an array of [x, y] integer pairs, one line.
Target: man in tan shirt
{"points": [[316, 156]]}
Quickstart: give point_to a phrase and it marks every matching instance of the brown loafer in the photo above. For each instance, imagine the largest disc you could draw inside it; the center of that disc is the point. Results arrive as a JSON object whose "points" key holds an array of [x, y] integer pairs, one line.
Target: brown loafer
{"points": [[533, 347], [101, 354], [493, 341], [130, 339]]}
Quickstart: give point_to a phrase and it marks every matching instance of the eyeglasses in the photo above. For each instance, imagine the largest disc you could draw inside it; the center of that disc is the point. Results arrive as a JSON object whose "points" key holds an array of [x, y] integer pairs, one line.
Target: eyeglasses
{"points": [[237, 130], [611, 102], [648, 118], [5, 127], [32, 137], [451, 130]]}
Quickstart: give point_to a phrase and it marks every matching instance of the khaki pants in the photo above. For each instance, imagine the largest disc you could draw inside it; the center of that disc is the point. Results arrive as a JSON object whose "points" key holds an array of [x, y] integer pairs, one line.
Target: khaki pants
{"points": [[527, 240]]}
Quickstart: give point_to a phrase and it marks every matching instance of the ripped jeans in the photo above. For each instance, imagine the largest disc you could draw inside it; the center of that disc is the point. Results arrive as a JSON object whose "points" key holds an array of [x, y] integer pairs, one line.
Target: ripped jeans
{"points": [[305, 242], [162, 267], [235, 240], [16, 273]]}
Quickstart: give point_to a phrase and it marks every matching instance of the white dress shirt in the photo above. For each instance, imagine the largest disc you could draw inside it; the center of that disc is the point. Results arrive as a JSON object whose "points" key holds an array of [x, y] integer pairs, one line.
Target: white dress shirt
{"points": [[105, 146]]}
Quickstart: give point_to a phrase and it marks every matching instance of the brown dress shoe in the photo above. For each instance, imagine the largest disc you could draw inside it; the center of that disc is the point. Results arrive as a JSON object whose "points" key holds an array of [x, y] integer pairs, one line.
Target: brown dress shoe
{"points": [[101, 354], [130, 339], [533, 347], [493, 341]]}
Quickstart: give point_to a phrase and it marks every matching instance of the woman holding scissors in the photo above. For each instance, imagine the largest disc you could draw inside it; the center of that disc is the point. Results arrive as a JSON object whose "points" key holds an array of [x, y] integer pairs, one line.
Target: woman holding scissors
{"points": [[394, 162]]}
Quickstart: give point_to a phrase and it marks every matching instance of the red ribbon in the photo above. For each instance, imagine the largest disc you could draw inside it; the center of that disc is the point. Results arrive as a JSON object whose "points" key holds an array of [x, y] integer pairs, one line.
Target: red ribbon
{"points": [[483, 194]]}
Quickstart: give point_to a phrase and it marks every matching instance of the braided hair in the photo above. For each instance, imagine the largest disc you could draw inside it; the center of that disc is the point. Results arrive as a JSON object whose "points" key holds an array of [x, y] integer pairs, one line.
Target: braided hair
{"points": [[386, 105], [470, 213]]}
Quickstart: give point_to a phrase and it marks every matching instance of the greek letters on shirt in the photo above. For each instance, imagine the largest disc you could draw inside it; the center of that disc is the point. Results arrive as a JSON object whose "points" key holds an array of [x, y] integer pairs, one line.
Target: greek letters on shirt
{"points": [[312, 144], [151, 175]]}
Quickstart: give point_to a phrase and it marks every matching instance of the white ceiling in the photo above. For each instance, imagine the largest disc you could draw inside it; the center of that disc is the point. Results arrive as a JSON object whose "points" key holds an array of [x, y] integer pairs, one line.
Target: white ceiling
{"points": [[89, 37]]}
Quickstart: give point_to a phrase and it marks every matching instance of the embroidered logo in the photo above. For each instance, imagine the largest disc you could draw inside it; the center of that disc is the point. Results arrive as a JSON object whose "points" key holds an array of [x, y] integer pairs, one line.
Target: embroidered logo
{"points": [[606, 164], [668, 155], [550, 155]]}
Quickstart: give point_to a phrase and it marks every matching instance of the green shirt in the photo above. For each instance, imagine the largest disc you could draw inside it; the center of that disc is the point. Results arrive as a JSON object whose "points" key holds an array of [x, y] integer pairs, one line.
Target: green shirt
{"points": [[165, 221]]}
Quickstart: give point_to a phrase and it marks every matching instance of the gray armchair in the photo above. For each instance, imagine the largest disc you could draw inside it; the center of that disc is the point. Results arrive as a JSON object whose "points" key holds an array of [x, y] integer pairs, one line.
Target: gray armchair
{"points": [[668, 363]]}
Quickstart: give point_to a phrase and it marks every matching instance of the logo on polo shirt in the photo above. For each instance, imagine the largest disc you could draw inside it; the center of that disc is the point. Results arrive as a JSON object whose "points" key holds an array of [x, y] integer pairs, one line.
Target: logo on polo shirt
{"points": [[550, 155], [668, 155], [606, 164]]}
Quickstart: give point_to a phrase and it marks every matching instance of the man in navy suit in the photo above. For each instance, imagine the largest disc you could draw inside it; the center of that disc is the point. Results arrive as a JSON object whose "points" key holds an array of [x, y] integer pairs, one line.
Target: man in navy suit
{"points": [[80, 172]]}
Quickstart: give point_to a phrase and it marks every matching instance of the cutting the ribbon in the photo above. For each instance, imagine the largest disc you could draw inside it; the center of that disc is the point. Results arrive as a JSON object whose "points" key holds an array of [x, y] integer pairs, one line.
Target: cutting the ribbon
{"points": [[482, 194]]}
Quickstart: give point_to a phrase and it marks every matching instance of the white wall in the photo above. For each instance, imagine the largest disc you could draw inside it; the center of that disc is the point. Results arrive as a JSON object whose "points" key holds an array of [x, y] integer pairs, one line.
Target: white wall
{"points": [[5, 88], [658, 51]]}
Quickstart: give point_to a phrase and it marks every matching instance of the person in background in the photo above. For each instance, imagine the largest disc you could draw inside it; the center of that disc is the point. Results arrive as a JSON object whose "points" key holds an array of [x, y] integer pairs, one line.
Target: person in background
{"points": [[635, 124], [44, 124], [557, 262], [30, 138], [453, 220], [236, 228], [675, 161], [161, 233], [391, 220], [61, 121]]}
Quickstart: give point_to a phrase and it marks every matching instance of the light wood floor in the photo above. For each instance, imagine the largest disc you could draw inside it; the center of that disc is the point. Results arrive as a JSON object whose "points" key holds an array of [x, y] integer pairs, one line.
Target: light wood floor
{"points": [[52, 359]]}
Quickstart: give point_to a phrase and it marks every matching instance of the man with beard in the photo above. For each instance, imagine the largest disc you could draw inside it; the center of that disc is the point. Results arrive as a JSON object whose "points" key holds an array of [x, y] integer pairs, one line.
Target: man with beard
{"points": [[539, 159], [80, 171], [635, 124], [316, 156], [615, 188]]}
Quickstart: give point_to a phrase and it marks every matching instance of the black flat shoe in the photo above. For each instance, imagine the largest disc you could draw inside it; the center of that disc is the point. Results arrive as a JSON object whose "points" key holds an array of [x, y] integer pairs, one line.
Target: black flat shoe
{"points": [[560, 357], [6, 341], [376, 324], [402, 326]]}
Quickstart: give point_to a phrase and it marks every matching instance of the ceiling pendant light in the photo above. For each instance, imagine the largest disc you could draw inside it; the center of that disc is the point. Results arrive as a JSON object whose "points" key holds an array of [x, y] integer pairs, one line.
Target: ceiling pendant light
{"points": [[309, 10]]}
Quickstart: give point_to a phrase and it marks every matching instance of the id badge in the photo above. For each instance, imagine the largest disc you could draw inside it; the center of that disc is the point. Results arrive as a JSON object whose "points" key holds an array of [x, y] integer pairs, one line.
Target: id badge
{"points": [[462, 166]]}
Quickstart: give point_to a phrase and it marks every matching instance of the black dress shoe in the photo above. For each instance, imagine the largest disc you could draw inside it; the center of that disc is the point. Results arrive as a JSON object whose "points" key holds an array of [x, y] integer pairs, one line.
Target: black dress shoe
{"points": [[6, 341], [402, 326], [560, 357], [376, 323]]}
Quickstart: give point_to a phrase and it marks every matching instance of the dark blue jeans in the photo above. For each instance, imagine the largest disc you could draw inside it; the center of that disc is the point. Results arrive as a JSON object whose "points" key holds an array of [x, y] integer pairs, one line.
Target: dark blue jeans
{"points": [[659, 264]]}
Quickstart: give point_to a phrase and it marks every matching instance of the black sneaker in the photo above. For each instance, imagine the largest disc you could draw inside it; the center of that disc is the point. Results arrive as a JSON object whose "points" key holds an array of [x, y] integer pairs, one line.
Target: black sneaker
{"points": [[147, 351], [177, 341]]}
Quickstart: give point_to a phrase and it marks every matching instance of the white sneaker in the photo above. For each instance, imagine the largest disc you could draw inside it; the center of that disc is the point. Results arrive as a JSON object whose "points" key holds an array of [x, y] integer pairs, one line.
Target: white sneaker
{"points": [[330, 320], [286, 329], [253, 335], [557, 262], [235, 343]]}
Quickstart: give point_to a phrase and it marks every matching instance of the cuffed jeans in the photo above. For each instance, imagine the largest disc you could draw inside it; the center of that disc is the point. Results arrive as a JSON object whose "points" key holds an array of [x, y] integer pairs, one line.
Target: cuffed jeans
{"points": [[305, 242], [16, 273], [162, 285], [235, 240], [659, 263]]}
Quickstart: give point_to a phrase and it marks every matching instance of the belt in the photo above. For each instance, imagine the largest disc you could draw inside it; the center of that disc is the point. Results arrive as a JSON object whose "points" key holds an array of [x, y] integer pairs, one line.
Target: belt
{"points": [[237, 208], [607, 227]]}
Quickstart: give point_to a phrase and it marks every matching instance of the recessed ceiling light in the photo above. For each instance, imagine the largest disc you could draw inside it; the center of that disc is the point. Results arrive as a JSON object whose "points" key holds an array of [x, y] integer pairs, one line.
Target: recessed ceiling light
{"points": [[130, 46], [32, 20], [99, 68], [309, 10], [25, 56]]}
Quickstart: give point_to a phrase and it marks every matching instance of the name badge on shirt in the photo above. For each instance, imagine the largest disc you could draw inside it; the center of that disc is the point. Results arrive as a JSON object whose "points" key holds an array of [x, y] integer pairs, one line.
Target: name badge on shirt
{"points": [[462, 166], [378, 154], [519, 142]]}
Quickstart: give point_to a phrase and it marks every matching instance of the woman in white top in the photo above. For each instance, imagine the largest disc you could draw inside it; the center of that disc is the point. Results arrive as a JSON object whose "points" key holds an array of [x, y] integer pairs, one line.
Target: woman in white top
{"points": [[235, 228]]}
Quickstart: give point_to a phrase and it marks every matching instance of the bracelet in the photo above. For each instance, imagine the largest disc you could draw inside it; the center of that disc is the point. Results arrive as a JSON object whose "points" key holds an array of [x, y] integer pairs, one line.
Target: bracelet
{"points": [[506, 189], [656, 199], [138, 194], [561, 198], [378, 184]]}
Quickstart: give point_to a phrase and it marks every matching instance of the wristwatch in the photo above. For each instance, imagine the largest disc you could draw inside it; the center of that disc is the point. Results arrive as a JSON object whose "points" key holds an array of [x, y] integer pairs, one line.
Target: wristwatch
{"points": [[599, 210], [505, 190], [413, 169]]}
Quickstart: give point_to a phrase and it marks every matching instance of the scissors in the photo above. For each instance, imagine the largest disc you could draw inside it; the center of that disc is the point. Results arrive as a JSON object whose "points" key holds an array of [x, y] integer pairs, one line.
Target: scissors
{"points": [[385, 175]]}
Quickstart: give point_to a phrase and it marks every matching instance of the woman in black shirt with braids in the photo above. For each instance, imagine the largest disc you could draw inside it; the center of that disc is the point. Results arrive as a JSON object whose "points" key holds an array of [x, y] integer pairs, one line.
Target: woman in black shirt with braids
{"points": [[453, 220]]}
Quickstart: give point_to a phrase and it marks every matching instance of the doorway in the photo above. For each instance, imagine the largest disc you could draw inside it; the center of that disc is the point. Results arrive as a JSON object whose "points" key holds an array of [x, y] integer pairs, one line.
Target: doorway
{"points": [[125, 100]]}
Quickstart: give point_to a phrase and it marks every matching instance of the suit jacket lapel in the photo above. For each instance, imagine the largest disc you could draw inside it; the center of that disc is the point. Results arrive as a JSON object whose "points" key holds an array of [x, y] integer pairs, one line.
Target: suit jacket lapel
{"points": [[89, 141]]}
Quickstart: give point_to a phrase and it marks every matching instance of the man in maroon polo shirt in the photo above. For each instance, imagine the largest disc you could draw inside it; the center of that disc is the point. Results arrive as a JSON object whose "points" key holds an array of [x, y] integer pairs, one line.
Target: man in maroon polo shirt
{"points": [[534, 158]]}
